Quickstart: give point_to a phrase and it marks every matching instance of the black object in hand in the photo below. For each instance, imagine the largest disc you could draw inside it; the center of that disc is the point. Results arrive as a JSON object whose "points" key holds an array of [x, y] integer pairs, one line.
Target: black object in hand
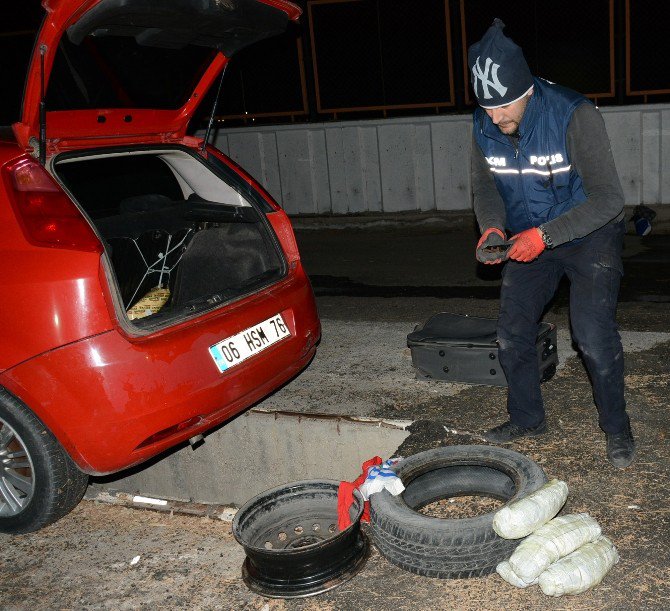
{"points": [[498, 248]]}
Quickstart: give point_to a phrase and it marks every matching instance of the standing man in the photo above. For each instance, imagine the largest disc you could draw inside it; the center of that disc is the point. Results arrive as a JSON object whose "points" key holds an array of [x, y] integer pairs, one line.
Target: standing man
{"points": [[543, 173]]}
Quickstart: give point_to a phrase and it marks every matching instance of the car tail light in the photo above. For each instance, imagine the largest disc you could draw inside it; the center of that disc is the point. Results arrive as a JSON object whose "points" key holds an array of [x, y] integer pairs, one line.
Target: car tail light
{"points": [[47, 215]]}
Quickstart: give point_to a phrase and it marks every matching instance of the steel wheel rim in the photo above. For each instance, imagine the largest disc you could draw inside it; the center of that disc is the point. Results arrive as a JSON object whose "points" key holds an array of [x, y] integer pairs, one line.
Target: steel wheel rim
{"points": [[312, 556], [17, 475]]}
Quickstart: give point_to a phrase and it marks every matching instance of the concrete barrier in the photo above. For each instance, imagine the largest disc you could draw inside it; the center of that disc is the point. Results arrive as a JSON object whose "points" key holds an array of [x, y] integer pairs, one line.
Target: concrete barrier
{"points": [[419, 164]]}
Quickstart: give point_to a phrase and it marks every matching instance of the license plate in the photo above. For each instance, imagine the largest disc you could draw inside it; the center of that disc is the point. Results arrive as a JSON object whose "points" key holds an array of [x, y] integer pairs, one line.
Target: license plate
{"points": [[237, 348]]}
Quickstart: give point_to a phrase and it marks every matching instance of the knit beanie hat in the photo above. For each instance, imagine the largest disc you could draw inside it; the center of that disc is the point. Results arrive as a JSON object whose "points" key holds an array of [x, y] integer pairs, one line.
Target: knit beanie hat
{"points": [[500, 74]]}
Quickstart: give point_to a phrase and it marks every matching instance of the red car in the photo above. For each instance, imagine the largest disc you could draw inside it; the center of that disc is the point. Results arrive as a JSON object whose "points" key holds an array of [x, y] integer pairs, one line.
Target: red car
{"points": [[151, 289]]}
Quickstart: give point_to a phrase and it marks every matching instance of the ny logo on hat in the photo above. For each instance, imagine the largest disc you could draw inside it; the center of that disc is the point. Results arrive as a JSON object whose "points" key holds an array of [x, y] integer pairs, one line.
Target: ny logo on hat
{"points": [[483, 78]]}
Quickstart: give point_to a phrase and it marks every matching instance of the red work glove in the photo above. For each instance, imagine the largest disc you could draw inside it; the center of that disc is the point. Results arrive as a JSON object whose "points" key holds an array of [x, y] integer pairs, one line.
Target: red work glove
{"points": [[526, 246], [492, 237]]}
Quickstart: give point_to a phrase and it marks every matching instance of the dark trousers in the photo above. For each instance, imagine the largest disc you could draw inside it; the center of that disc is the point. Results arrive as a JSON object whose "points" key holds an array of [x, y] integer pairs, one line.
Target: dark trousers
{"points": [[593, 266]]}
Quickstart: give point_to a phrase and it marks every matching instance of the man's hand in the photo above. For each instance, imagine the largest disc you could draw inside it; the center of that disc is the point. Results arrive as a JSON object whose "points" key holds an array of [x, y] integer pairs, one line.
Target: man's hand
{"points": [[490, 247], [526, 246]]}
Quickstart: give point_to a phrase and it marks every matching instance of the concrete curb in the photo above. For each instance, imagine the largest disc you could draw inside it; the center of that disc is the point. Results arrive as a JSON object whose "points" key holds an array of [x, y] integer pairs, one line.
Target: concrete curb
{"points": [[448, 220]]}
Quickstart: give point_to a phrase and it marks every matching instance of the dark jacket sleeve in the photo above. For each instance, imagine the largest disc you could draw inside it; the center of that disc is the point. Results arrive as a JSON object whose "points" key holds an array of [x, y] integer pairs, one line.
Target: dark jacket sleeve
{"points": [[591, 156], [487, 202]]}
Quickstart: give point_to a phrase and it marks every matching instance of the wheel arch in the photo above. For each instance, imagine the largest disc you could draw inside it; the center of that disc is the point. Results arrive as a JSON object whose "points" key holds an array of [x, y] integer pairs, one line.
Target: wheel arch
{"points": [[41, 482], [47, 419]]}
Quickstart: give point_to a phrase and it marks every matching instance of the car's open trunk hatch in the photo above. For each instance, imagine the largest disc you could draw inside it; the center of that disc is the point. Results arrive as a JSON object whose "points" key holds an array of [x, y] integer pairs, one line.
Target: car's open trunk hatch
{"points": [[124, 69], [182, 236]]}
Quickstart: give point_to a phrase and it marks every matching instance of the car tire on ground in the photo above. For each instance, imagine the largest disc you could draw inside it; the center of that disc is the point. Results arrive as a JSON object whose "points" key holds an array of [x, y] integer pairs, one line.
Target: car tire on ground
{"points": [[39, 482], [450, 548]]}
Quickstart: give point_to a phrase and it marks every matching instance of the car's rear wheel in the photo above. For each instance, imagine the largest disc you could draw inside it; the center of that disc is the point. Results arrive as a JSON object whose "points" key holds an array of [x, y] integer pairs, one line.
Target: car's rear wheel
{"points": [[39, 482]]}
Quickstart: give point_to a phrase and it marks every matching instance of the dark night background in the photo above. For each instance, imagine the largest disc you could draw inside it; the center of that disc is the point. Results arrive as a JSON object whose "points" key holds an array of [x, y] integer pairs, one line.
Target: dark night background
{"points": [[379, 58]]}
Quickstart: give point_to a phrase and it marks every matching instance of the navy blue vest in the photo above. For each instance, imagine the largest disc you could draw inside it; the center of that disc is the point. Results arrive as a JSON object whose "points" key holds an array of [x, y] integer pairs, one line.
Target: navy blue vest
{"points": [[536, 180]]}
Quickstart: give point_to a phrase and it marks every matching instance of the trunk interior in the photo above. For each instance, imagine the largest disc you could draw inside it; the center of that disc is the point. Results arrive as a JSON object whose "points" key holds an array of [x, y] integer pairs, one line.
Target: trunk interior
{"points": [[183, 235]]}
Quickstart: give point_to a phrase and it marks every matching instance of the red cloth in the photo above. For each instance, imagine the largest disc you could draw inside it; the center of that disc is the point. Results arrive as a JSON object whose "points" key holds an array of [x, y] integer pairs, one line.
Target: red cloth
{"points": [[345, 495]]}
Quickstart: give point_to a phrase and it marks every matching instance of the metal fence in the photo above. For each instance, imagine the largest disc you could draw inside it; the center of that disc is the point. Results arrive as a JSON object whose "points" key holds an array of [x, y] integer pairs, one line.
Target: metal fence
{"points": [[381, 58], [363, 52]]}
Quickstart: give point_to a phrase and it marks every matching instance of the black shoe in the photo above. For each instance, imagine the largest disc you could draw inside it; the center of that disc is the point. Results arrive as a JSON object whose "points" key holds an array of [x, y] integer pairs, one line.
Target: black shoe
{"points": [[621, 447], [508, 432]]}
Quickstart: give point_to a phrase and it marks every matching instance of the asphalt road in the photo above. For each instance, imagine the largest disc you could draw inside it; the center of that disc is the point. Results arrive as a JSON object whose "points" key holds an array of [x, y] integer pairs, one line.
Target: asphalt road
{"points": [[432, 259]]}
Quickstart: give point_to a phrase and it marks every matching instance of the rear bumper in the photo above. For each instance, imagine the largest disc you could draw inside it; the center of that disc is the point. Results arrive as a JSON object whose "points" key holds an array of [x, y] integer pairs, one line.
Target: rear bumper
{"points": [[104, 396]]}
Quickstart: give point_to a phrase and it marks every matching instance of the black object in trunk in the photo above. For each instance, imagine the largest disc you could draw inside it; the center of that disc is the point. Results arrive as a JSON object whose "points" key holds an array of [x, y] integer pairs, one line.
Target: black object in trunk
{"points": [[225, 258]]}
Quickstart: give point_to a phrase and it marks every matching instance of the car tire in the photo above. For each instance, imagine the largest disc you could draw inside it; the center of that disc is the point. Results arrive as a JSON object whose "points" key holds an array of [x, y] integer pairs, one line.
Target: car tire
{"points": [[450, 548], [39, 482]]}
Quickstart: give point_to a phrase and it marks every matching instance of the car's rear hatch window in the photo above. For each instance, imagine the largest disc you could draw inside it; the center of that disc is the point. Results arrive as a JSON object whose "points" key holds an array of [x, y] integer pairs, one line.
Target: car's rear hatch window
{"points": [[117, 72], [116, 69]]}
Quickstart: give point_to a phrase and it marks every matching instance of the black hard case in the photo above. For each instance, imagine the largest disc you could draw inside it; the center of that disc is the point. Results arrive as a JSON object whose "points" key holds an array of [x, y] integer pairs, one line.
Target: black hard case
{"points": [[457, 348]]}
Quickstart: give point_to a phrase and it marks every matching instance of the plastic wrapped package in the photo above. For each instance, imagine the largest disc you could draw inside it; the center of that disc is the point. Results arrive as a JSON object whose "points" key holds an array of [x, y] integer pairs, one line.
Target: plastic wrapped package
{"points": [[507, 573], [382, 477], [557, 538], [580, 570], [150, 304], [526, 515]]}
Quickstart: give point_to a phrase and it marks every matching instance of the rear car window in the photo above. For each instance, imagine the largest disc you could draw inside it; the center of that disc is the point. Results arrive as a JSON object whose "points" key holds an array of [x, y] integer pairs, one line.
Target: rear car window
{"points": [[99, 185], [116, 72]]}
